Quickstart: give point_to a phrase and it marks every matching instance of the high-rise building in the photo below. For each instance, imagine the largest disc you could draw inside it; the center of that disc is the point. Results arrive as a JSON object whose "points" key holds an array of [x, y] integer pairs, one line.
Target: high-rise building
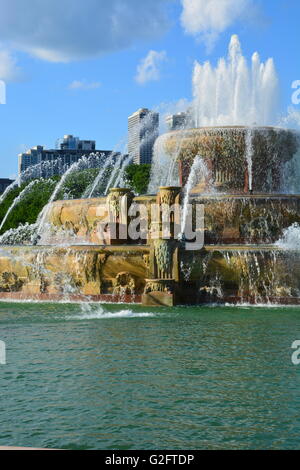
{"points": [[143, 130], [68, 151]]}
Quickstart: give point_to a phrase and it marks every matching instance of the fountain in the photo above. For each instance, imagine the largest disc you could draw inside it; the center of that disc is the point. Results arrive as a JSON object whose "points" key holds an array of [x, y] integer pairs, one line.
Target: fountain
{"points": [[233, 163]]}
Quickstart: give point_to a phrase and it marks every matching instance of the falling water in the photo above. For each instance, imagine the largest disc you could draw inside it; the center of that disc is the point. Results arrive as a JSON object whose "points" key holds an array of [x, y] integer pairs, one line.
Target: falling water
{"points": [[19, 236], [120, 148], [109, 162], [81, 164], [249, 156], [18, 199], [160, 164], [173, 176], [199, 172], [291, 238], [9, 189], [234, 93], [114, 176], [120, 181], [292, 174], [163, 170]]}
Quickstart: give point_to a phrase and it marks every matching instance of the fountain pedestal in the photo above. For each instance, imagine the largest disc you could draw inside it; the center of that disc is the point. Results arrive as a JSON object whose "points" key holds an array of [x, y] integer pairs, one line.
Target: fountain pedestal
{"points": [[162, 285]]}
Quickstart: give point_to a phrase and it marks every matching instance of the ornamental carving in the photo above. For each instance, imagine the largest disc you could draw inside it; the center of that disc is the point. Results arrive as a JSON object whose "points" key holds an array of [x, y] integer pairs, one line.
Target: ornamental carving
{"points": [[124, 284]]}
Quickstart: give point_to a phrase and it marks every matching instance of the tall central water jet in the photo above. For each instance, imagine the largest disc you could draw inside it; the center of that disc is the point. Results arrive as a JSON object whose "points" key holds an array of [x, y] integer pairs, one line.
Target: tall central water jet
{"points": [[234, 93]]}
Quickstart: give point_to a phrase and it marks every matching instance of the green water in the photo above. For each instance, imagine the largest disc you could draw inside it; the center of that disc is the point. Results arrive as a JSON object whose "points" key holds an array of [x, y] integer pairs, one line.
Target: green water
{"points": [[122, 377]]}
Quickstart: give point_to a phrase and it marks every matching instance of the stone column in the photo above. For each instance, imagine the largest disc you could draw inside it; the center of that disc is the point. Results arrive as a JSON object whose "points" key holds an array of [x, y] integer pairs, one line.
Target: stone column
{"points": [[162, 285], [119, 201]]}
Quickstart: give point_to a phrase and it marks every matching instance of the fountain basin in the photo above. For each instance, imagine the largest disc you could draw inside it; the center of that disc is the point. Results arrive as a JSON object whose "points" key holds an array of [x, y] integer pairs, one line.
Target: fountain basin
{"points": [[222, 273], [229, 218], [85, 273], [239, 159]]}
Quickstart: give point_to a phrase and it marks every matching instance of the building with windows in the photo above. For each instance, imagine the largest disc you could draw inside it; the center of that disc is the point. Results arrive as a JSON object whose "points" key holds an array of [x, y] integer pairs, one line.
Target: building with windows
{"points": [[143, 130], [4, 183], [68, 150], [69, 142], [183, 120], [176, 121]]}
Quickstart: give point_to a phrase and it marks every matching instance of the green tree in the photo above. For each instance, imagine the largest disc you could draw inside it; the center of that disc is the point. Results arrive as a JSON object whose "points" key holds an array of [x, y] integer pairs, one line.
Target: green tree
{"points": [[77, 183], [28, 209], [137, 177]]}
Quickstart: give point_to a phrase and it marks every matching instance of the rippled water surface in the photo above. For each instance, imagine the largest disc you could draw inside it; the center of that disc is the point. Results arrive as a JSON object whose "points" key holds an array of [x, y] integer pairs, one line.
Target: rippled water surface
{"points": [[122, 377]]}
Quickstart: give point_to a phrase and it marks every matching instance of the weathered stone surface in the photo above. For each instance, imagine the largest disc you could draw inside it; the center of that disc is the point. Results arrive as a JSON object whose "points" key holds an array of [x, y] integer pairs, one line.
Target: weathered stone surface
{"points": [[224, 151], [243, 274], [158, 299], [81, 218], [251, 219], [90, 271]]}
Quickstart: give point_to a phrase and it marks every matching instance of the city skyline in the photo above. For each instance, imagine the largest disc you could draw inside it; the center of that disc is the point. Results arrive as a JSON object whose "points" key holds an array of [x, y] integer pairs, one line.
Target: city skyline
{"points": [[91, 88], [69, 150]]}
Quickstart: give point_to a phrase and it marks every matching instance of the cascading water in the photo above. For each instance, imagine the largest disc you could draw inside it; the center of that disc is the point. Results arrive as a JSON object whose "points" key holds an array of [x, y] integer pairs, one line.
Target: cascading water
{"points": [[114, 176], [249, 156], [199, 173], [39, 231], [120, 181], [18, 199], [161, 162], [164, 170], [19, 236], [292, 174], [101, 175], [83, 163], [172, 177], [291, 238], [119, 149], [9, 189]]}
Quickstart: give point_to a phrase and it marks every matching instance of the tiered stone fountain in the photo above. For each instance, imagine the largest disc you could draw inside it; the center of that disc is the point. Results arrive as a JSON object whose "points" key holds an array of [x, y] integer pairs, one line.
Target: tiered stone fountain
{"points": [[246, 205], [238, 263]]}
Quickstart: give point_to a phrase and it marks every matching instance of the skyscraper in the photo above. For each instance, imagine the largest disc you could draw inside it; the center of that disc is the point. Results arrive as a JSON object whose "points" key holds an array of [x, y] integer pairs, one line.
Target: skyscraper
{"points": [[142, 133]]}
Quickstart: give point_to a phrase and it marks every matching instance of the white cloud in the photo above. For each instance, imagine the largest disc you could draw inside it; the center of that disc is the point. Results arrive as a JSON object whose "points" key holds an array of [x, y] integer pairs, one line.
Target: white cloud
{"points": [[83, 85], [9, 71], [206, 19], [291, 119], [149, 68], [65, 30]]}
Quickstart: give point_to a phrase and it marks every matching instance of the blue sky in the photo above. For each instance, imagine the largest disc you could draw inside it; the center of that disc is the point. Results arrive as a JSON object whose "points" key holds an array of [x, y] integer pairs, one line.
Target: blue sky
{"points": [[79, 74]]}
